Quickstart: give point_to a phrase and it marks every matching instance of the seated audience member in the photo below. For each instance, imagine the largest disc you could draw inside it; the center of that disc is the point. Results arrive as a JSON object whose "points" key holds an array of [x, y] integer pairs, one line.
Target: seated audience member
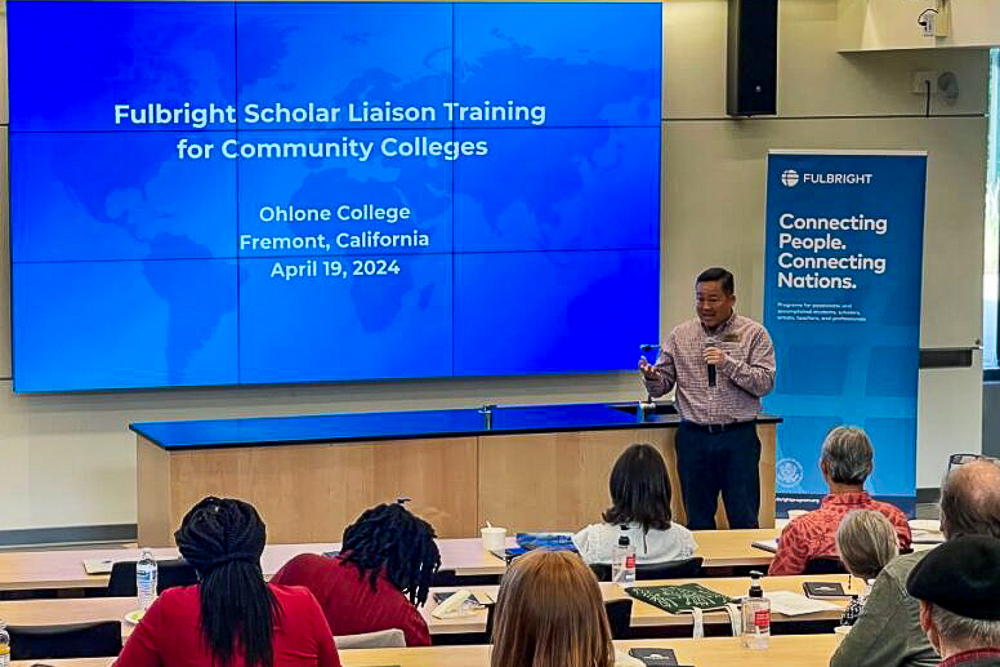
{"points": [[550, 614], [888, 632], [866, 542], [958, 586], [846, 462], [640, 498], [232, 618], [384, 571]]}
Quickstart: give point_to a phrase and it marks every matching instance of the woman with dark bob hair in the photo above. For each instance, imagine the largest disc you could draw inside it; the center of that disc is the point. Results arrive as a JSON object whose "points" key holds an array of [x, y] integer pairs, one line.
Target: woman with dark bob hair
{"points": [[640, 500]]}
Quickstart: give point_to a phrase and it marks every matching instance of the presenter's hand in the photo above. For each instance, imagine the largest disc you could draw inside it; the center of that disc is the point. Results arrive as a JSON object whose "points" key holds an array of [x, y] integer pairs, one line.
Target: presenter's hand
{"points": [[714, 356], [647, 369]]}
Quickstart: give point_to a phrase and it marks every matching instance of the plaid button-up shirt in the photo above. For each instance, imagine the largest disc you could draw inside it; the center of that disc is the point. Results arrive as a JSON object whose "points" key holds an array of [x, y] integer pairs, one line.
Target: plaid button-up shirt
{"points": [[742, 379]]}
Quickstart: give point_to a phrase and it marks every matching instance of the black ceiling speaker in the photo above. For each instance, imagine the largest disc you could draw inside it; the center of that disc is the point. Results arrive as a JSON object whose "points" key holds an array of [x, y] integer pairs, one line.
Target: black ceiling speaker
{"points": [[752, 69]]}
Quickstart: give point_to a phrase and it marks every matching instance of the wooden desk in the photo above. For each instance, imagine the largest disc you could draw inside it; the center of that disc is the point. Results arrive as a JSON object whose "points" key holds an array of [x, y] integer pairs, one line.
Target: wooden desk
{"points": [[65, 611], [88, 610], [645, 615], [733, 548], [63, 569], [800, 651]]}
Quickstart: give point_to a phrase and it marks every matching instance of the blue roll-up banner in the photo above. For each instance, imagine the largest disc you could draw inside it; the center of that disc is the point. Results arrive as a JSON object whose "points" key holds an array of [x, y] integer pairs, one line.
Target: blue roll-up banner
{"points": [[842, 303]]}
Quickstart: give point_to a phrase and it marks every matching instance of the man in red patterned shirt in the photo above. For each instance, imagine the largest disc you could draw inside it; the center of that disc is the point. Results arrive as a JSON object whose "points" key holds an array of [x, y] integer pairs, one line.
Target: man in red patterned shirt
{"points": [[846, 463]]}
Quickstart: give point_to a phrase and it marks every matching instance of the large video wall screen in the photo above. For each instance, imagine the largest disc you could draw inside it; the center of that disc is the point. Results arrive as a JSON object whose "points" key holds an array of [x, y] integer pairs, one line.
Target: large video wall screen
{"points": [[218, 193]]}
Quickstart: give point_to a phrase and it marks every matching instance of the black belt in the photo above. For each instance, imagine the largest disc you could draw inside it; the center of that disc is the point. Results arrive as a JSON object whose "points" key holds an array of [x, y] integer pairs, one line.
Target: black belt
{"points": [[716, 429]]}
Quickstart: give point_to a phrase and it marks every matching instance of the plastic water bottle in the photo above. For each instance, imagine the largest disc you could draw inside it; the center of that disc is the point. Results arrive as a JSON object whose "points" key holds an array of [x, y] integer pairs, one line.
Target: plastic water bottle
{"points": [[4, 645], [145, 579], [756, 615], [623, 565]]}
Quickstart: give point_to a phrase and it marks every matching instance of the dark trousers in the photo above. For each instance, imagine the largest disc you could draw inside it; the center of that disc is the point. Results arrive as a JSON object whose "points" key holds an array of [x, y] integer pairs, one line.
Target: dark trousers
{"points": [[708, 463]]}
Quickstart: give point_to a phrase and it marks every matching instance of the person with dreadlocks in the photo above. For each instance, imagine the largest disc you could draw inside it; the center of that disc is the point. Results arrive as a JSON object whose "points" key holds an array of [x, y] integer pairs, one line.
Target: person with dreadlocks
{"points": [[231, 618], [383, 573]]}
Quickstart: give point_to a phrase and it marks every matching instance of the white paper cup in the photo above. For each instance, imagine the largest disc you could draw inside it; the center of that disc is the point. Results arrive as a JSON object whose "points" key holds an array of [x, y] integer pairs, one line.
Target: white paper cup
{"points": [[794, 514], [841, 631], [494, 538]]}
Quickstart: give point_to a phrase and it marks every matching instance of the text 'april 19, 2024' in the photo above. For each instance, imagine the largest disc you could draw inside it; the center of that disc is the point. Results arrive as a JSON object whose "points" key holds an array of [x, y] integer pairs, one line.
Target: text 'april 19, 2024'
{"points": [[341, 242]]}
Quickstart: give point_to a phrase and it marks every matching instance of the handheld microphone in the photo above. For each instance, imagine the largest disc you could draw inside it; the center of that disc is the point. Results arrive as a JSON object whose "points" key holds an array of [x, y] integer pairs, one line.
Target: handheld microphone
{"points": [[647, 348], [711, 342]]}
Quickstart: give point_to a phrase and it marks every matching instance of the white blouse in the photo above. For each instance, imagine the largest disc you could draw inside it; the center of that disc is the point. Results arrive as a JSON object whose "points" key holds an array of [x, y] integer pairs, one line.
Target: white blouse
{"points": [[597, 542]]}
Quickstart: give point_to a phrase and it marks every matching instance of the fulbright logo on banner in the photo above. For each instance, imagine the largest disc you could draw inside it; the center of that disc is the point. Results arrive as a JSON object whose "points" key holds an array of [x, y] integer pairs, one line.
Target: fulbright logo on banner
{"points": [[790, 178], [788, 473]]}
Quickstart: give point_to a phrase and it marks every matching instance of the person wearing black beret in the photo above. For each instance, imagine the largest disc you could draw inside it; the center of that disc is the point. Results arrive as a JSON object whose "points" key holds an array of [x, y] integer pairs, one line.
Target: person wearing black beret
{"points": [[889, 633], [958, 586]]}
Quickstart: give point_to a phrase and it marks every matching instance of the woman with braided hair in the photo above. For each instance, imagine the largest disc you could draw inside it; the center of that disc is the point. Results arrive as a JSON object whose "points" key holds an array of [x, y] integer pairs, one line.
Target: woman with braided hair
{"points": [[383, 573], [231, 618]]}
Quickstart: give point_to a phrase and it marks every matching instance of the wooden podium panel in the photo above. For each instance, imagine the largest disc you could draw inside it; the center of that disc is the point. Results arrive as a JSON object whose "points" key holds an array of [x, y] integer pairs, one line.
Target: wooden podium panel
{"points": [[310, 493], [559, 481], [549, 481]]}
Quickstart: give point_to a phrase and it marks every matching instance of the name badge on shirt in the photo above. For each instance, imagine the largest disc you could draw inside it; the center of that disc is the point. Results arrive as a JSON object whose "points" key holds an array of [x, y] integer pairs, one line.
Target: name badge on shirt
{"points": [[731, 338]]}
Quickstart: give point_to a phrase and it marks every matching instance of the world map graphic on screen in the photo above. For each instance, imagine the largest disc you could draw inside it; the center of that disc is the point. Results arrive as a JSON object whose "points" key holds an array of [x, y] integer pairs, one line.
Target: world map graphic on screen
{"points": [[218, 193]]}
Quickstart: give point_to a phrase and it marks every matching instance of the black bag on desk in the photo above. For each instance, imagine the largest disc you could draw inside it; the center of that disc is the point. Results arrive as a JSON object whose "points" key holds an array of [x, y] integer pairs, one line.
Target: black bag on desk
{"points": [[825, 590], [655, 657]]}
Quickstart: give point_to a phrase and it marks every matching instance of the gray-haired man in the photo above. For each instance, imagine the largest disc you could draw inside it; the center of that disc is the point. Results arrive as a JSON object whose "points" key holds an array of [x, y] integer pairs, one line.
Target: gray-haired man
{"points": [[846, 462], [958, 585], [888, 632]]}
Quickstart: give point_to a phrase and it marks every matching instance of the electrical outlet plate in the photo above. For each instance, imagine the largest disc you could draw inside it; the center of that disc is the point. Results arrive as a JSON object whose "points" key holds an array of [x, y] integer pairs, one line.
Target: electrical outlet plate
{"points": [[919, 87]]}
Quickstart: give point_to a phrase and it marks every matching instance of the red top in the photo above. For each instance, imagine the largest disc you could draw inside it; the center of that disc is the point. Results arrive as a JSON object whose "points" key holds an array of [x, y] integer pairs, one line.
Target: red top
{"points": [[350, 604], [975, 656], [170, 633], [814, 535]]}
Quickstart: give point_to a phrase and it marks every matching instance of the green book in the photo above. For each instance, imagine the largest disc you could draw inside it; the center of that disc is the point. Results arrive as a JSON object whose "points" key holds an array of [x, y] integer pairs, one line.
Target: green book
{"points": [[680, 598]]}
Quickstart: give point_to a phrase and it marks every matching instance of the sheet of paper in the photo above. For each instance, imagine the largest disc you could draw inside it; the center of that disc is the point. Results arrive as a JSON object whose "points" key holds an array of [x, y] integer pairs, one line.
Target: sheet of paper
{"points": [[927, 537], [97, 565], [623, 659], [793, 604], [930, 525]]}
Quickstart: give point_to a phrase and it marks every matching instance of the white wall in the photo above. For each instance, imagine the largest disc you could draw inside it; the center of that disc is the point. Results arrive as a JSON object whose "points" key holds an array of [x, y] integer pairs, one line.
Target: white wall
{"points": [[69, 460], [892, 24], [714, 178]]}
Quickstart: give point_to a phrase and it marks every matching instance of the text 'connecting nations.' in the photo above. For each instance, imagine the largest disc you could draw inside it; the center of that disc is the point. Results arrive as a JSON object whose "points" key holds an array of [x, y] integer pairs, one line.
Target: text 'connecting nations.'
{"points": [[810, 244]]}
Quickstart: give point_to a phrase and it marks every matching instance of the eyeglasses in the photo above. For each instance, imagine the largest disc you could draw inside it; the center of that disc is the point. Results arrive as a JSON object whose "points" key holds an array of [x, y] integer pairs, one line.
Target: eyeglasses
{"points": [[957, 460]]}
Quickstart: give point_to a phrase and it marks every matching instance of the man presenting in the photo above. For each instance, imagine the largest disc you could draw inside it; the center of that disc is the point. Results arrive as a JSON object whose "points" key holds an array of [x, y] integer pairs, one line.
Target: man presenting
{"points": [[722, 364]]}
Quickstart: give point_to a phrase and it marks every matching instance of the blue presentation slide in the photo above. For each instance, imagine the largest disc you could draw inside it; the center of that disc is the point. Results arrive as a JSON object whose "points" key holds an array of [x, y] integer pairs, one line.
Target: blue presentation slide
{"points": [[224, 193]]}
